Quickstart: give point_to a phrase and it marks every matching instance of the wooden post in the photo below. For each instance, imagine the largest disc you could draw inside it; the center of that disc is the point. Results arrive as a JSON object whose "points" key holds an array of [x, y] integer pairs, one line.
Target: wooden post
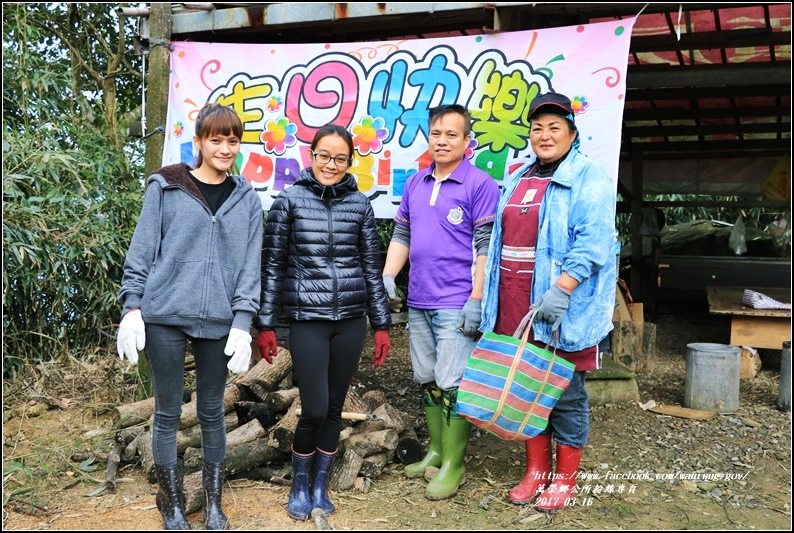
{"points": [[157, 90], [636, 223]]}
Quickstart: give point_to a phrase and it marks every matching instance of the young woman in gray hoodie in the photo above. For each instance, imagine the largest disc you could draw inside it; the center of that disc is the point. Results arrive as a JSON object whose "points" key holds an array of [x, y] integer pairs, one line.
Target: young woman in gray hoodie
{"points": [[192, 272]]}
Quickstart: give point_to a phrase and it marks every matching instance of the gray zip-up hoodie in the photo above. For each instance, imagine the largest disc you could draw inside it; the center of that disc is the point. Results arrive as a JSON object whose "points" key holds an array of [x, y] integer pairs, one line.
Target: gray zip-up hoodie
{"points": [[188, 268]]}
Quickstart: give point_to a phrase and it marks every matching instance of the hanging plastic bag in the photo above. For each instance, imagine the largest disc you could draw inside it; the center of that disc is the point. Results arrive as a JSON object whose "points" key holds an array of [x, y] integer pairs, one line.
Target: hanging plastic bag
{"points": [[737, 241]]}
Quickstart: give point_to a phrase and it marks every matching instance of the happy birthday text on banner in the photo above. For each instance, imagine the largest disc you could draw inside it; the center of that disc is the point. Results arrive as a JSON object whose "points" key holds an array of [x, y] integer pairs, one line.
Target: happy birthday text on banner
{"points": [[382, 91]]}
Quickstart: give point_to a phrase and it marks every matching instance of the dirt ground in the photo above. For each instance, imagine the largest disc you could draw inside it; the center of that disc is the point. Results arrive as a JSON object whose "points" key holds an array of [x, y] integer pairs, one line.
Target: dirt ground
{"points": [[640, 470]]}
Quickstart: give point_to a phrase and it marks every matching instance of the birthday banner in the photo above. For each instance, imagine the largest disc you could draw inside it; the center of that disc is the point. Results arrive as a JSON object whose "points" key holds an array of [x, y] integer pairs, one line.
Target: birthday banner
{"points": [[382, 91]]}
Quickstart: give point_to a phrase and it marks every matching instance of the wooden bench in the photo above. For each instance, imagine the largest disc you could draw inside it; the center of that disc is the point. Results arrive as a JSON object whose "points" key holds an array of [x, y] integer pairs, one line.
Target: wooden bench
{"points": [[756, 328]]}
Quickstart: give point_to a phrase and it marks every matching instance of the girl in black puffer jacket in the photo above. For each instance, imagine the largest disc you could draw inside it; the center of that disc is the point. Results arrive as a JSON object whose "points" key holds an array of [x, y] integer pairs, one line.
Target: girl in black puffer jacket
{"points": [[321, 259]]}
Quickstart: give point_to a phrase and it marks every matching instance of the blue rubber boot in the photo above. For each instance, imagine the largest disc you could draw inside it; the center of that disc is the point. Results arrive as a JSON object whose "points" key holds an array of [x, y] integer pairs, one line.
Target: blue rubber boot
{"points": [[299, 506], [321, 475]]}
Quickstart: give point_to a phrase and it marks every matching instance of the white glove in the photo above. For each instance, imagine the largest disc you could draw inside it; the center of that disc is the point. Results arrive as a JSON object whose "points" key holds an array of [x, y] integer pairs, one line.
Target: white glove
{"points": [[131, 337], [238, 345]]}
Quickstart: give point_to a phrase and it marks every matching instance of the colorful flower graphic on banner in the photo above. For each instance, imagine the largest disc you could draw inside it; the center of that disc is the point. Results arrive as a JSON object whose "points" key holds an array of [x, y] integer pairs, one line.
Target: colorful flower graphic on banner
{"points": [[369, 134], [579, 105], [278, 135], [471, 147], [179, 129], [274, 104]]}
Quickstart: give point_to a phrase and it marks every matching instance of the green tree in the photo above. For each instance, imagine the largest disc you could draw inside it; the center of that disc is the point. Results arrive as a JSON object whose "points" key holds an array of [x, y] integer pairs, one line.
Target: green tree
{"points": [[71, 179]]}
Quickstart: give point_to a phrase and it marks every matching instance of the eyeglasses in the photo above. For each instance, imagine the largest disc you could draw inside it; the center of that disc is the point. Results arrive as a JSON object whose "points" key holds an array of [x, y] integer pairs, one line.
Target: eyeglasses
{"points": [[341, 160]]}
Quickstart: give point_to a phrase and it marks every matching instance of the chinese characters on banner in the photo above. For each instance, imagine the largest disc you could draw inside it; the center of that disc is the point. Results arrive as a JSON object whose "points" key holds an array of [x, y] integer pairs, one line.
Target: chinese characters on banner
{"points": [[382, 91]]}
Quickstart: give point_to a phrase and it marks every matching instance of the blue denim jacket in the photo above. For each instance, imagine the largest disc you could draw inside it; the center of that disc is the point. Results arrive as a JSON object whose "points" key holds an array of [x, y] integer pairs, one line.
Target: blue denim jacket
{"points": [[577, 235]]}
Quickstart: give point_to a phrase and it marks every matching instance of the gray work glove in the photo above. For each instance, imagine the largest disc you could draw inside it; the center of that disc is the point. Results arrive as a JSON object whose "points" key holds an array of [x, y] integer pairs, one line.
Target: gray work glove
{"points": [[395, 303], [470, 317], [552, 305]]}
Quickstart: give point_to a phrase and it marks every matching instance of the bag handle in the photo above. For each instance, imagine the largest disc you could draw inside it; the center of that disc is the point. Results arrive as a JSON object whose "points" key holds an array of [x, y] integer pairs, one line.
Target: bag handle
{"points": [[527, 323]]}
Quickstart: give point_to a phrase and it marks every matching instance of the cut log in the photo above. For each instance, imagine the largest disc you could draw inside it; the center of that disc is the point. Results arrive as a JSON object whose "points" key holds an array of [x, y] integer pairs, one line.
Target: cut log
{"points": [[248, 455], [320, 520], [240, 456], [245, 433], [409, 449], [374, 398], [258, 473], [279, 401], [354, 403], [281, 434], [247, 411], [98, 457], [144, 446], [131, 450], [368, 426], [127, 435], [373, 465], [133, 413], [345, 471], [266, 375], [366, 444], [194, 492], [191, 437], [190, 415], [393, 417], [114, 458]]}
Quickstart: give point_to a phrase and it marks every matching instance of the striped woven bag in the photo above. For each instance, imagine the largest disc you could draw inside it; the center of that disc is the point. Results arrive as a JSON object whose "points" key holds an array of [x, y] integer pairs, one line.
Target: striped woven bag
{"points": [[510, 385]]}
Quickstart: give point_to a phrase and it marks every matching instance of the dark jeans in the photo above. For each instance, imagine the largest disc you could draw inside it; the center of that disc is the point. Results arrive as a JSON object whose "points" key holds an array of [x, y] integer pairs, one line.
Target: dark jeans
{"points": [[165, 352], [325, 356], [570, 418]]}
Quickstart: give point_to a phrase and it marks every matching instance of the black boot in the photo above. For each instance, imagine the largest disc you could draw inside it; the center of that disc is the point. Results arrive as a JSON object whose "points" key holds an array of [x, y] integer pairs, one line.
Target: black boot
{"points": [[171, 496], [212, 480], [321, 474], [300, 499]]}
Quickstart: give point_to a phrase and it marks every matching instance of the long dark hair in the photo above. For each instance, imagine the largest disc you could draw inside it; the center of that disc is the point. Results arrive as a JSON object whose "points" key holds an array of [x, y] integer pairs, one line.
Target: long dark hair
{"points": [[217, 119]]}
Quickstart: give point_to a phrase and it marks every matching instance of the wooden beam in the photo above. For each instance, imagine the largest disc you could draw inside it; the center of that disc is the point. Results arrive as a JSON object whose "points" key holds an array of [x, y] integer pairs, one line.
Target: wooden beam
{"points": [[636, 221], [625, 207], [782, 145], [761, 73], [709, 40], [693, 93], [666, 113], [712, 129]]}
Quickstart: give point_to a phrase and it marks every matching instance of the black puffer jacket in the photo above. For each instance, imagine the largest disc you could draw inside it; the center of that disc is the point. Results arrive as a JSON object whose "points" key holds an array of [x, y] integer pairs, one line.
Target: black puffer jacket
{"points": [[321, 254]]}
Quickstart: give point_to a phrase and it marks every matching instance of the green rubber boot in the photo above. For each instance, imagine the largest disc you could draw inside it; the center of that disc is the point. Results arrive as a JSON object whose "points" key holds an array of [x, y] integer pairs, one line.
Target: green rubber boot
{"points": [[454, 440], [431, 399]]}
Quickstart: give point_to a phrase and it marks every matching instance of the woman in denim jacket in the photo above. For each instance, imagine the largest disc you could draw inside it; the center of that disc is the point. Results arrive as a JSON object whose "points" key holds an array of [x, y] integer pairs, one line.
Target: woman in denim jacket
{"points": [[552, 249]]}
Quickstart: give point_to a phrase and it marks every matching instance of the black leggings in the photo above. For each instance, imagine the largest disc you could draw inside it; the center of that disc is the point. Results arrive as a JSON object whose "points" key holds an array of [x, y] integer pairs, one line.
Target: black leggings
{"points": [[325, 356]]}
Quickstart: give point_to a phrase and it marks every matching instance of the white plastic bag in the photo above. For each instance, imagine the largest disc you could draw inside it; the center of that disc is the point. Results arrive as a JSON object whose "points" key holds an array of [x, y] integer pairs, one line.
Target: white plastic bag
{"points": [[737, 240]]}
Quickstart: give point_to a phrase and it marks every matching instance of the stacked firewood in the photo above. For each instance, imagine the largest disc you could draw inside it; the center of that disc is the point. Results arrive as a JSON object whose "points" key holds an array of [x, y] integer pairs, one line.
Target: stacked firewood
{"points": [[262, 409]]}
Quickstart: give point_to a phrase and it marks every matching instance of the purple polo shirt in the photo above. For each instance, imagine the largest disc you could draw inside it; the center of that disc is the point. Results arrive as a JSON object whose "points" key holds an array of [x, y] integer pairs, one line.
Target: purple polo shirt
{"points": [[442, 226]]}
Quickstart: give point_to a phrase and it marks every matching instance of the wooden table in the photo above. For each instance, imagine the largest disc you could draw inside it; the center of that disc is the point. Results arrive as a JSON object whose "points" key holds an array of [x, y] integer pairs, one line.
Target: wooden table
{"points": [[757, 328]]}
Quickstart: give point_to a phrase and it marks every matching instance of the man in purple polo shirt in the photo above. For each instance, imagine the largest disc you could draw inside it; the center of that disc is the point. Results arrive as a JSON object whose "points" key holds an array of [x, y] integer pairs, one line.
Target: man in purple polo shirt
{"points": [[443, 226]]}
